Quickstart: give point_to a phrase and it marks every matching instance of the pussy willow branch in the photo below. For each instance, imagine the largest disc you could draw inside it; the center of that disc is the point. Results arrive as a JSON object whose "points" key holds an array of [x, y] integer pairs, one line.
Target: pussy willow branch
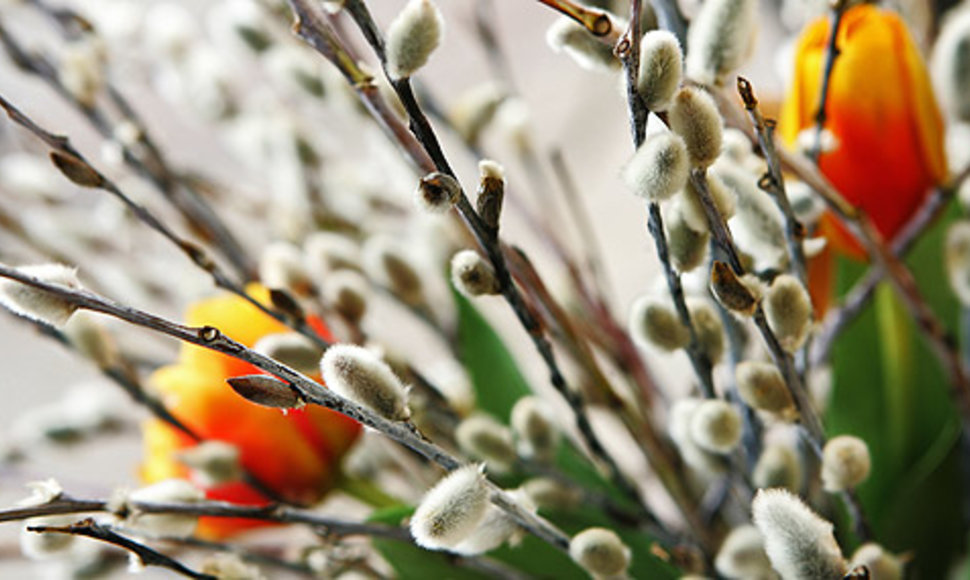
{"points": [[310, 24], [838, 8], [88, 528], [596, 22], [154, 168], [61, 146], [308, 389], [629, 51]]}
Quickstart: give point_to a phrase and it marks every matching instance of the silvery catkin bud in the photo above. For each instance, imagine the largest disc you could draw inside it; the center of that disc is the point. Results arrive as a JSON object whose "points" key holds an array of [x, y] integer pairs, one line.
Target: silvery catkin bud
{"points": [[484, 438], [733, 293], [42, 546], [565, 35], [491, 192], [600, 552], [281, 266], [91, 339], [788, 309], [845, 463], [346, 292], [659, 168], [495, 528], [292, 349], [742, 555], [212, 462], [661, 68], [166, 491], [655, 323], [715, 426], [679, 426], [694, 117], [882, 565], [762, 387], [535, 433], [475, 108], [550, 494], [951, 65], [358, 374], [720, 37], [688, 246], [437, 192], [709, 329], [451, 510], [957, 259], [388, 264], [778, 466], [413, 35], [723, 197], [472, 275], [800, 544], [37, 304], [327, 252]]}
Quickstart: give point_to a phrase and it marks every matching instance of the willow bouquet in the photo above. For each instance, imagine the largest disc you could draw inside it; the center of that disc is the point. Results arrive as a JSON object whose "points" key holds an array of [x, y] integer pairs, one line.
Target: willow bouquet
{"points": [[386, 341]]}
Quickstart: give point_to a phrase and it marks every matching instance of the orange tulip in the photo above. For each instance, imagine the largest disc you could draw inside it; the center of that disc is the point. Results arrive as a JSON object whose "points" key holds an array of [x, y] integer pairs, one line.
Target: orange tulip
{"points": [[881, 111], [293, 453]]}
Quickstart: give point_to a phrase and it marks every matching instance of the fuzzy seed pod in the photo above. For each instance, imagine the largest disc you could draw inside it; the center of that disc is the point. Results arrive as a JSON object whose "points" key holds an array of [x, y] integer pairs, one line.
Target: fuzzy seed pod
{"points": [[733, 293], [789, 311], [550, 494], [722, 196], [762, 387], [600, 552], [281, 267], [800, 544], [212, 463], [346, 292], [694, 117], [484, 438], [472, 275], [292, 349], [437, 192], [566, 36], [358, 374], [778, 466], [882, 565], [709, 329], [491, 192], [720, 38], [656, 324], [716, 426], [451, 510], [845, 463], [951, 65], [681, 416], [688, 246], [536, 435], [659, 168], [37, 304], [742, 555], [413, 35], [957, 259], [661, 68], [387, 264], [91, 339], [166, 491]]}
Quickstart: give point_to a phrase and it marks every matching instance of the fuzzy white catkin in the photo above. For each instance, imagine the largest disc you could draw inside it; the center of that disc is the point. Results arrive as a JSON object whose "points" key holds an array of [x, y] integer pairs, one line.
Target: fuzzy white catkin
{"points": [[742, 555], [436, 192], [495, 528], [799, 543], [472, 275], [551, 494], [91, 339], [694, 116], [845, 463], [484, 438], [387, 262], [38, 304], [292, 349], [720, 38], [661, 68], [451, 510], [659, 168], [358, 374], [166, 491], [411, 38], [681, 414], [761, 386], [326, 252], [213, 462], [231, 567], [956, 252], [950, 66], [882, 565], [281, 267], [600, 552], [778, 466], [535, 433], [565, 35], [724, 198], [653, 322], [346, 291], [687, 245], [716, 426], [47, 545], [709, 329], [788, 309]]}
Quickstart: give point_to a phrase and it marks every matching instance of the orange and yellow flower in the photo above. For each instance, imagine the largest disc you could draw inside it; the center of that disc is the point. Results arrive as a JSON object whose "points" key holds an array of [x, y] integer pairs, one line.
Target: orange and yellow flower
{"points": [[294, 453], [881, 111]]}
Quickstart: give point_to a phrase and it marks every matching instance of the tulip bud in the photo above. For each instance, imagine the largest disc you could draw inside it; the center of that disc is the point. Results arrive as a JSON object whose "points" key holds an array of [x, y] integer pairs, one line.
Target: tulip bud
{"points": [[709, 329], [687, 246], [788, 309], [451, 510], [742, 555], [654, 323], [661, 66], [762, 387], [411, 38], [550, 494], [695, 118], [957, 259], [491, 192], [166, 491], [535, 432], [951, 65], [659, 168], [266, 391], [720, 38], [800, 544], [437, 192], [357, 374], [213, 463], [845, 463], [292, 349], [600, 552], [716, 426], [484, 438], [472, 275], [346, 292], [37, 304], [733, 293], [778, 466], [882, 565], [586, 50]]}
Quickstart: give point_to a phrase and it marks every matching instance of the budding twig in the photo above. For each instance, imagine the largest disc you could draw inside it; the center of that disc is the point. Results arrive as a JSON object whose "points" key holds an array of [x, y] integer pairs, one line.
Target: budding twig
{"points": [[831, 54]]}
